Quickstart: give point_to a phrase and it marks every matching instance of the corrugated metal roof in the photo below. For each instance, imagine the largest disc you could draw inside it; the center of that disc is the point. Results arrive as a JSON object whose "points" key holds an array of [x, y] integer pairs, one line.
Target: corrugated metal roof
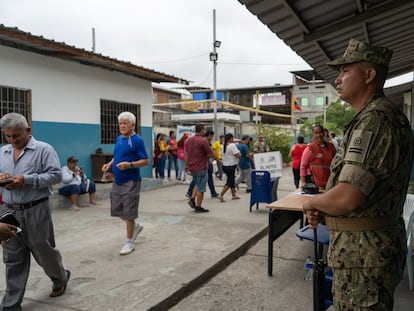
{"points": [[319, 30], [13, 37]]}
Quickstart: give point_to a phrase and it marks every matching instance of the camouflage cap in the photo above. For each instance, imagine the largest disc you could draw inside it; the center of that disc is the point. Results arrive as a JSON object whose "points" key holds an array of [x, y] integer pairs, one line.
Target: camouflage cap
{"points": [[360, 51]]}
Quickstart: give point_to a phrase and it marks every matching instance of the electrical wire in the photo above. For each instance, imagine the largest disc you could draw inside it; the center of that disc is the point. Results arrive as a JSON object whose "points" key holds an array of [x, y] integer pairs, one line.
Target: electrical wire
{"points": [[175, 60], [259, 64], [208, 76]]}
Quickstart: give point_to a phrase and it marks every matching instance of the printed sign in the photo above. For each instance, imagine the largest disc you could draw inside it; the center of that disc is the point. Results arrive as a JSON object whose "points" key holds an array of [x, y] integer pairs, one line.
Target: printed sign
{"points": [[190, 130], [269, 161]]}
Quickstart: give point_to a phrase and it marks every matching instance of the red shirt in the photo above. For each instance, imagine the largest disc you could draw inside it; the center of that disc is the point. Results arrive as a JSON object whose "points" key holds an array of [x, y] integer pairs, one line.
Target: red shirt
{"points": [[297, 152], [198, 150], [173, 144], [318, 159]]}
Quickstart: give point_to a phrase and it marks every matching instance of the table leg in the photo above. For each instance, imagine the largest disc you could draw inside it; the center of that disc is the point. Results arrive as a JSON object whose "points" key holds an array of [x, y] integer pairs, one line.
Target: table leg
{"points": [[318, 275], [279, 223], [270, 246]]}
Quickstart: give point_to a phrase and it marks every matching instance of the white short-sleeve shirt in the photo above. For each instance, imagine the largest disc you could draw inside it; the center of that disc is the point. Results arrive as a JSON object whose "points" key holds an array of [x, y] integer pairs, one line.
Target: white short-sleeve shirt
{"points": [[229, 158]]}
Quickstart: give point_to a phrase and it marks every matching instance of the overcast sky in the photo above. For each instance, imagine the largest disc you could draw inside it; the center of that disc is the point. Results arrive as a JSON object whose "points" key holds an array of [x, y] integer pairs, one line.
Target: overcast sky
{"points": [[170, 36]]}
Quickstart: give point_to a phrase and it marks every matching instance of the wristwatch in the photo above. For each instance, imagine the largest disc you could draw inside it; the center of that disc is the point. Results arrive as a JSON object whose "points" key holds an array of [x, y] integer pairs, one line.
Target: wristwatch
{"points": [[131, 165]]}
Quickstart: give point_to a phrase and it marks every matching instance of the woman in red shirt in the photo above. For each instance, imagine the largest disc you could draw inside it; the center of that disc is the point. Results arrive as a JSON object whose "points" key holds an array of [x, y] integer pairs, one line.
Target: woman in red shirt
{"points": [[296, 154], [316, 159]]}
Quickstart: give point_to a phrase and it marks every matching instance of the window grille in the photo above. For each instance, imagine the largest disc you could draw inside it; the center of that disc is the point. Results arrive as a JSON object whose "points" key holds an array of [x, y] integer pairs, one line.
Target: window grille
{"points": [[110, 110], [15, 100]]}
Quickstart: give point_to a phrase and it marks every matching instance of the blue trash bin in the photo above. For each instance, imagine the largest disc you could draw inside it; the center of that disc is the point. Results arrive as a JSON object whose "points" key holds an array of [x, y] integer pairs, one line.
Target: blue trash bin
{"points": [[264, 188]]}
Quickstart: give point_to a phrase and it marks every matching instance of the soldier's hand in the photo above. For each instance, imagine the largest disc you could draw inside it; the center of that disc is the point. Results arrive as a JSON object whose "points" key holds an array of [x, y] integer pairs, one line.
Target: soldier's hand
{"points": [[313, 215]]}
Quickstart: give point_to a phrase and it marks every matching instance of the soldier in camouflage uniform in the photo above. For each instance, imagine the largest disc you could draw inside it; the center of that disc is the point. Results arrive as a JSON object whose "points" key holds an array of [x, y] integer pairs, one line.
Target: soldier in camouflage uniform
{"points": [[260, 146], [367, 186]]}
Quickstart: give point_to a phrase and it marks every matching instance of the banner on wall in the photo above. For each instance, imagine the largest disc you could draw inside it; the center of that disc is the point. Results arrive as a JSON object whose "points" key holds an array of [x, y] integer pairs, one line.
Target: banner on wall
{"points": [[190, 130], [272, 99]]}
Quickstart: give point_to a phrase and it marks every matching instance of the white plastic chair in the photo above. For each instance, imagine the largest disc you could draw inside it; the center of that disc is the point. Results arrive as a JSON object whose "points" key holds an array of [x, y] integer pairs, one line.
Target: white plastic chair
{"points": [[409, 221]]}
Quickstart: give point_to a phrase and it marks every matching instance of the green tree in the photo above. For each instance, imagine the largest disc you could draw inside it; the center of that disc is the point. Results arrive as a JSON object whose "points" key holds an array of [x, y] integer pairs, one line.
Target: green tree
{"points": [[339, 114], [277, 138]]}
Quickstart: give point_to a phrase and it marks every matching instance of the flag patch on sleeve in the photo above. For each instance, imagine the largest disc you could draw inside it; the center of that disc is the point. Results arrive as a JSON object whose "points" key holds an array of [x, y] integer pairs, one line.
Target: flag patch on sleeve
{"points": [[358, 146]]}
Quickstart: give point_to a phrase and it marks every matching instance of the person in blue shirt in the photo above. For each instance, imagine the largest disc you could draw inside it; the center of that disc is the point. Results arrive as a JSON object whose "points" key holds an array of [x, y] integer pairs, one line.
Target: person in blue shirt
{"points": [[245, 163], [129, 156]]}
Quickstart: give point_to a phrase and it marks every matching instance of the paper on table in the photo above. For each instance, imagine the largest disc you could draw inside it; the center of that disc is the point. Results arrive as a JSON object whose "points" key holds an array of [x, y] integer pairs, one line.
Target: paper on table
{"points": [[306, 194]]}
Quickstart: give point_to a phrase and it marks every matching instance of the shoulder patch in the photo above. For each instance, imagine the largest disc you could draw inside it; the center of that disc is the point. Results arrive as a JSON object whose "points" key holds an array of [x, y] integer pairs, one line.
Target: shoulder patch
{"points": [[358, 146]]}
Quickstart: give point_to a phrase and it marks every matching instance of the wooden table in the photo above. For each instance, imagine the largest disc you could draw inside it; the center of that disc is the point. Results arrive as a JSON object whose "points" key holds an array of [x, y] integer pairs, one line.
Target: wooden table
{"points": [[283, 214], [292, 202]]}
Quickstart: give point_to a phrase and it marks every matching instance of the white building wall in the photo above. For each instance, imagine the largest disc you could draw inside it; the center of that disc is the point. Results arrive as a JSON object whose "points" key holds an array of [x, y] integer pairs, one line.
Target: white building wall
{"points": [[64, 91]]}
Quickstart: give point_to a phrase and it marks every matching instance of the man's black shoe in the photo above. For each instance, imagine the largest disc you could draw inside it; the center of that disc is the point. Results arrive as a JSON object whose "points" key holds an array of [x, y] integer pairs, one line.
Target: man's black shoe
{"points": [[214, 195], [191, 202], [200, 209]]}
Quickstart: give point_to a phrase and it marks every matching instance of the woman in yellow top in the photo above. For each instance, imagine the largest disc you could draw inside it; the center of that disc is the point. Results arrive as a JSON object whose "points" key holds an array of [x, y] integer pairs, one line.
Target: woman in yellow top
{"points": [[163, 147], [217, 149]]}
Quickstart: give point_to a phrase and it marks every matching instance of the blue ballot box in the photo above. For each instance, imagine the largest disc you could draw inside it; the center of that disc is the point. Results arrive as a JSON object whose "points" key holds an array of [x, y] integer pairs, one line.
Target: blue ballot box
{"points": [[264, 188]]}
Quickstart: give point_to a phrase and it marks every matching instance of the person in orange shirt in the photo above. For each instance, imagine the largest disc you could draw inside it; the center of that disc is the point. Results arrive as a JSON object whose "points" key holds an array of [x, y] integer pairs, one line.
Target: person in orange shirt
{"points": [[316, 159]]}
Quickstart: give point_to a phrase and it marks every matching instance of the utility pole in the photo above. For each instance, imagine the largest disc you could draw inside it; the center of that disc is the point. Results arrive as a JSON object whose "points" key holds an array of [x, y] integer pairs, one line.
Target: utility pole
{"points": [[93, 40], [257, 112], [214, 58]]}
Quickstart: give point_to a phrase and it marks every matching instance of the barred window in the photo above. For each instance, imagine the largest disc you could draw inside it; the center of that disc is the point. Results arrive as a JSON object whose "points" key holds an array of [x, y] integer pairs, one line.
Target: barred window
{"points": [[110, 110], [15, 100]]}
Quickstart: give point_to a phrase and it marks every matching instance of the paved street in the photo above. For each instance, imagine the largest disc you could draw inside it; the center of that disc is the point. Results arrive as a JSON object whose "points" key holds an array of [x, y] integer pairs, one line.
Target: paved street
{"points": [[206, 257]]}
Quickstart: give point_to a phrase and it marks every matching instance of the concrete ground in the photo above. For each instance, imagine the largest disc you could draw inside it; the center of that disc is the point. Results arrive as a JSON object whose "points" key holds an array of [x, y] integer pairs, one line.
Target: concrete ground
{"points": [[182, 261]]}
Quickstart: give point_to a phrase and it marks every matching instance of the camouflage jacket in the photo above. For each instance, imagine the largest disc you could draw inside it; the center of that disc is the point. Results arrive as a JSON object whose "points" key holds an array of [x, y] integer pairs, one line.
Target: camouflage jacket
{"points": [[376, 157]]}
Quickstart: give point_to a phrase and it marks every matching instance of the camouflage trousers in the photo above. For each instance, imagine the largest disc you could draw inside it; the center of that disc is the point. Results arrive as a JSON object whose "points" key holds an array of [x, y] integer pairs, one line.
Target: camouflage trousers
{"points": [[366, 289]]}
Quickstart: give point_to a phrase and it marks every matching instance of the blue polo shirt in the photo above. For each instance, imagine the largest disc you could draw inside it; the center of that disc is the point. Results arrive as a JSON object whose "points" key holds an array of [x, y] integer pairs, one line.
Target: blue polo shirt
{"points": [[244, 161], [128, 149]]}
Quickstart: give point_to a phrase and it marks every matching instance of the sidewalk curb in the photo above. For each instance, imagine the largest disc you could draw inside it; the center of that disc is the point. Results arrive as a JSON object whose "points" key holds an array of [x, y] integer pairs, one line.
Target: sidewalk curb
{"points": [[209, 273]]}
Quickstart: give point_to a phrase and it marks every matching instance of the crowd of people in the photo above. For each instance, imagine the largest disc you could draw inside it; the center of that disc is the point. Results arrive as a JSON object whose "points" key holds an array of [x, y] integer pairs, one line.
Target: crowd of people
{"points": [[234, 161], [225, 157]]}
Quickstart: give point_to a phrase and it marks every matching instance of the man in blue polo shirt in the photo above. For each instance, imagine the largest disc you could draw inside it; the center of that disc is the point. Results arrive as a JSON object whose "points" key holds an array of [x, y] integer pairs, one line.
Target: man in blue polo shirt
{"points": [[245, 163], [129, 156]]}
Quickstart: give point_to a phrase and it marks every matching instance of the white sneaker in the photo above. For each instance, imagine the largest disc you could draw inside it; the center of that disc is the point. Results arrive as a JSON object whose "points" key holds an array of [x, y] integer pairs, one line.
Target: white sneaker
{"points": [[138, 228], [127, 248]]}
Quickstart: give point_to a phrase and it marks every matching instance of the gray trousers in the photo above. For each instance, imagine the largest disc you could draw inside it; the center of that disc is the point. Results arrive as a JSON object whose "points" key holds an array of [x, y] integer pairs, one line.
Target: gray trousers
{"points": [[245, 174], [37, 238]]}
